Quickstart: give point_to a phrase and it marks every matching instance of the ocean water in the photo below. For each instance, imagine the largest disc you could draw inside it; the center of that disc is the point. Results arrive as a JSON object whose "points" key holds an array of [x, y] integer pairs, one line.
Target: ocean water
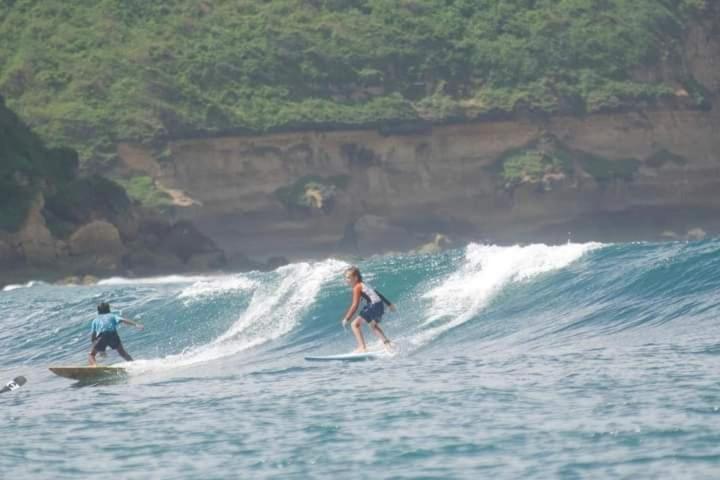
{"points": [[573, 361]]}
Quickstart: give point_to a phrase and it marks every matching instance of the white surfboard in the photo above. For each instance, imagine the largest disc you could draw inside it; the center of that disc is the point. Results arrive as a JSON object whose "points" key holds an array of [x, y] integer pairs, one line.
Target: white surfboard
{"points": [[349, 357]]}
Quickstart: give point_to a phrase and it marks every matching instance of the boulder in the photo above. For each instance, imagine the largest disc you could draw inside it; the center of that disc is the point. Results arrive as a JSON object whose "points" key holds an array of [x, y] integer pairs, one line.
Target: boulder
{"points": [[37, 244], [439, 243], [696, 234], [184, 240], [90, 198], [96, 238]]}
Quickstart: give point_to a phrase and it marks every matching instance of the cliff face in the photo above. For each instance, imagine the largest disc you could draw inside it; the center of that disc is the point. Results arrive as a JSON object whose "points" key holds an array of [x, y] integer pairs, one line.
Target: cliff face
{"points": [[55, 223], [445, 180], [616, 176]]}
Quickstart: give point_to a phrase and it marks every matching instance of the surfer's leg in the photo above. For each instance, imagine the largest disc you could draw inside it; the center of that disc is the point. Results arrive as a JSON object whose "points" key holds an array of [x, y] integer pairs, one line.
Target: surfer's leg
{"points": [[379, 332], [357, 331], [98, 345], [121, 351]]}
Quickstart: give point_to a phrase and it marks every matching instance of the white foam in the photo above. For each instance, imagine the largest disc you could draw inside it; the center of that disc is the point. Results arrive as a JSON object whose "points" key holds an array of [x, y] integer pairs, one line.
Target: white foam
{"points": [[486, 271], [276, 307], [153, 280], [32, 283], [217, 286]]}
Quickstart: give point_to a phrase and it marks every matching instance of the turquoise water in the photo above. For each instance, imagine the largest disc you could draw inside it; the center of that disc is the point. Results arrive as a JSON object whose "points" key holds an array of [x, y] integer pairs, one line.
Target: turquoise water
{"points": [[572, 361]]}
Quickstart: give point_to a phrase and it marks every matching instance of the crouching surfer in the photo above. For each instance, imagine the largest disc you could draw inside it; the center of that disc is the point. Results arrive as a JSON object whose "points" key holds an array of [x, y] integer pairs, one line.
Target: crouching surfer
{"points": [[103, 333], [371, 313]]}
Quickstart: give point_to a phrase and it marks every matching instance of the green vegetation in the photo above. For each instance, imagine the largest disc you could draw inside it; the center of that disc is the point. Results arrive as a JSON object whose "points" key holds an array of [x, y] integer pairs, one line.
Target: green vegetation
{"points": [[26, 167], [14, 205], [143, 189], [312, 191], [529, 166], [548, 156], [78, 200], [25, 158], [604, 170], [662, 157], [87, 74]]}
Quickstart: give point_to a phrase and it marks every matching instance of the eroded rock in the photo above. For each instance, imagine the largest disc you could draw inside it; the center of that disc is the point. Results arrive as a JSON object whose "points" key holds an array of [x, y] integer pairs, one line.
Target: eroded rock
{"points": [[34, 239], [438, 244], [97, 238]]}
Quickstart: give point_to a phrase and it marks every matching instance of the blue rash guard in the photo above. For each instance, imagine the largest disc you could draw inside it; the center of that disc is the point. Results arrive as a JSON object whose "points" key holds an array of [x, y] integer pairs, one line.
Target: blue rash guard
{"points": [[106, 322]]}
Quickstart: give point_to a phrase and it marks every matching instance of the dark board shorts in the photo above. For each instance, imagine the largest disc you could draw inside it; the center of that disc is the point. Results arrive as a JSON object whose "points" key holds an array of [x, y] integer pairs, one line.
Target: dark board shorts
{"points": [[372, 312], [107, 339]]}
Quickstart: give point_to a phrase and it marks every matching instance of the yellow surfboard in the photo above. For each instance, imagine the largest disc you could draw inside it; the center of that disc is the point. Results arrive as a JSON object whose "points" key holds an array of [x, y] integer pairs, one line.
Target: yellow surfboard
{"points": [[89, 373]]}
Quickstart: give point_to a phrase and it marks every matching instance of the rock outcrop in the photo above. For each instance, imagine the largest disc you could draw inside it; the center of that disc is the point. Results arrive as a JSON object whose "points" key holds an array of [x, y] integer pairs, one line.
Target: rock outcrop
{"points": [[97, 238], [437, 245], [34, 240], [54, 223], [638, 174]]}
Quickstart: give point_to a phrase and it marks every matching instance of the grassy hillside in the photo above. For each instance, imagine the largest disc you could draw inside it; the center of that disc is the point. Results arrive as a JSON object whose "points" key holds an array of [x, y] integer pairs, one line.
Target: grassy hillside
{"points": [[86, 73]]}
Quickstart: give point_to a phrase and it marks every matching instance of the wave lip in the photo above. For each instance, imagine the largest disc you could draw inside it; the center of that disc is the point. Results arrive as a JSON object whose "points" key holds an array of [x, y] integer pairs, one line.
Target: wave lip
{"points": [[217, 286], [486, 270], [277, 306]]}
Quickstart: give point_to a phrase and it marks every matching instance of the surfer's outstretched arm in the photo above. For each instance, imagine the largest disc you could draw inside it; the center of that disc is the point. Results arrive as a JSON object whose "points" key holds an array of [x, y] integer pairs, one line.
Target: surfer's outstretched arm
{"points": [[131, 323], [387, 302]]}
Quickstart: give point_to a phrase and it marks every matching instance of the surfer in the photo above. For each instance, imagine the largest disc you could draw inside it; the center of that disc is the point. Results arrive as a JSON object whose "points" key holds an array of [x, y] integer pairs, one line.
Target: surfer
{"points": [[371, 313], [104, 334]]}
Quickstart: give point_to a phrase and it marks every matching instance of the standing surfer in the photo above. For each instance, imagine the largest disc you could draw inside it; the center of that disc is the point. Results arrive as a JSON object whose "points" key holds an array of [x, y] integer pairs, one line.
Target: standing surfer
{"points": [[103, 333], [371, 313]]}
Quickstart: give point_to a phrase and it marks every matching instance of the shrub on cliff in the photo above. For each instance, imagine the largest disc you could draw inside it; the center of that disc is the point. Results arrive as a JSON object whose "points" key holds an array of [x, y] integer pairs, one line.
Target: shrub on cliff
{"points": [[26, 167], [312, 192], [549, 159], [88, 74], [15, 202], [143, 189], [530, 166], [88, 198]]}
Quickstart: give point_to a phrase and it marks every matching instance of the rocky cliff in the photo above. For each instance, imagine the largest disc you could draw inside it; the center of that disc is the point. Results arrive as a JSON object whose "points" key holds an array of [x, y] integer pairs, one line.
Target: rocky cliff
{"points": [[630, 175], [55, 223], [645, 173]]}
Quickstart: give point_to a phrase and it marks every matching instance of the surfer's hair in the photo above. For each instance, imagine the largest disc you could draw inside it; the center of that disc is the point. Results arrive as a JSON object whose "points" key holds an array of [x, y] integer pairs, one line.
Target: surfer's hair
{"points": [[354, 271], [103, 307]]}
